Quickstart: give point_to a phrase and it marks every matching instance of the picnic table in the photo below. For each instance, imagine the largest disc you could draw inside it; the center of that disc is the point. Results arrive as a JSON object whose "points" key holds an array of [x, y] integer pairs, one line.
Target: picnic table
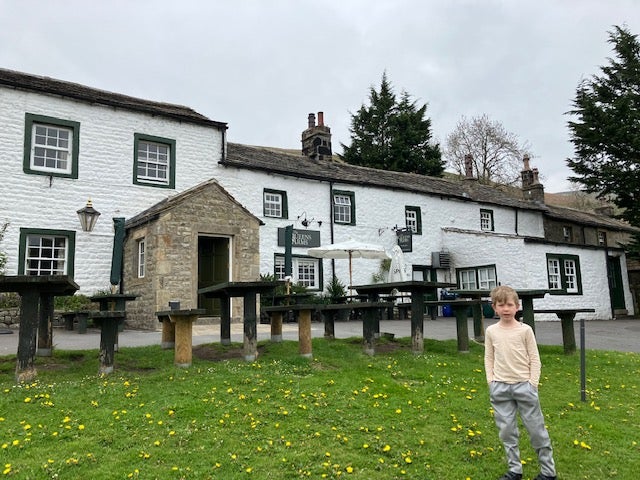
{"points": [[37, 293], [417, 290], [567, 316], [249, 292]]}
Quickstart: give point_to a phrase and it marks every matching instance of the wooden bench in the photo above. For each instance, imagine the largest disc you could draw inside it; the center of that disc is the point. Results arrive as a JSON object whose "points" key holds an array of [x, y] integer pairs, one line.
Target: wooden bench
{"points": [[370, 323], [567, 316], [80, 317], [460, 308], [177, 333]]}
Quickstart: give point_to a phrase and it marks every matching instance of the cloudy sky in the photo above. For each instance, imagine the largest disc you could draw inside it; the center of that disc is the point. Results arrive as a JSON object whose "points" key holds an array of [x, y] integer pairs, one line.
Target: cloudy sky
{"points": [[263, 65]]}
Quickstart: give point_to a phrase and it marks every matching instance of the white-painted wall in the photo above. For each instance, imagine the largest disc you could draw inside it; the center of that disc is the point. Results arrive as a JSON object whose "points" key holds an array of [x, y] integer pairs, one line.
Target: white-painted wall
{"points": [[105, 170]]}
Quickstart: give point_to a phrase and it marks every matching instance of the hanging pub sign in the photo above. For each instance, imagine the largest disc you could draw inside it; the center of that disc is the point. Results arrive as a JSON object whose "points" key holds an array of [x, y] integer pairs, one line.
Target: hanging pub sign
{"points": [[405, 239], [300, 238]]}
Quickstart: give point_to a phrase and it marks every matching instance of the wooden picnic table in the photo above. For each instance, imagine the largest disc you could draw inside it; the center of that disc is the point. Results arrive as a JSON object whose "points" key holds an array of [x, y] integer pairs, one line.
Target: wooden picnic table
{"points": [[249, 292], [36, 312], [417, 289], [567, 316], [177, 333]]}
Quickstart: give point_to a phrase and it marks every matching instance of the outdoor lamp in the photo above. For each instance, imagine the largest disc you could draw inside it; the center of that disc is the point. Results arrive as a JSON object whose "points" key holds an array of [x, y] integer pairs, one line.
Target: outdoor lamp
{"points": [[88, 216]]}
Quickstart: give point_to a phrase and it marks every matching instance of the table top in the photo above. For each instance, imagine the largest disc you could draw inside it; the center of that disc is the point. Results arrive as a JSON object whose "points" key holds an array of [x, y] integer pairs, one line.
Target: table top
{"points": [[54, 284], [522, 293], [408, 286], [109, 297], [238, 289]]}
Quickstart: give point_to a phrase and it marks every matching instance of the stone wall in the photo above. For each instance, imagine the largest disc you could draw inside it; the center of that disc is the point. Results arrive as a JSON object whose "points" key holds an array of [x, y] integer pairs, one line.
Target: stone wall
{"points": [[9, 318]]}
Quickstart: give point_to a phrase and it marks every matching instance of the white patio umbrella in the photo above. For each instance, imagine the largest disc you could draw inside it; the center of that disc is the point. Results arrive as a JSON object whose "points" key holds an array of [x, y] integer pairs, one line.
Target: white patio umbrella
{"points": [[349, 249]]}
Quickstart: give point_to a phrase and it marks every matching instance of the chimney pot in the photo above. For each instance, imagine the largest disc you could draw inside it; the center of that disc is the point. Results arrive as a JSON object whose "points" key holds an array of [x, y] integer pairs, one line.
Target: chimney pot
{"points": [[525, 159], [312, 120], [468, 166], [320, 119]]}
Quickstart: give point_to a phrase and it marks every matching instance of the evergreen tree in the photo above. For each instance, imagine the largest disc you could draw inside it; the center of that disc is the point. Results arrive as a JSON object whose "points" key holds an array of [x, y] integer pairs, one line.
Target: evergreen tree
{"points": [[606, 133], [392, 135]]}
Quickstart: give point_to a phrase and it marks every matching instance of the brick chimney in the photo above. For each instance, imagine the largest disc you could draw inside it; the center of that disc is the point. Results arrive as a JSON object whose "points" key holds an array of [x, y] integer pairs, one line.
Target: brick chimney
{"points": [[316, 139], [532, 189]]}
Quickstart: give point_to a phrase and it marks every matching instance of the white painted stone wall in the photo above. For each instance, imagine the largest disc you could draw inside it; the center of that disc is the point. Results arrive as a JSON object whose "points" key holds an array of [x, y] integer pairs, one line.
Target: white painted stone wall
{"points": [[105, 175]]}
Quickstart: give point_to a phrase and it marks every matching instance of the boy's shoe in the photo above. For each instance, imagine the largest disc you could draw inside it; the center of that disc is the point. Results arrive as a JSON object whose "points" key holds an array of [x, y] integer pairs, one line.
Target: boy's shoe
{"points": [[512, 476], [545, 477]]}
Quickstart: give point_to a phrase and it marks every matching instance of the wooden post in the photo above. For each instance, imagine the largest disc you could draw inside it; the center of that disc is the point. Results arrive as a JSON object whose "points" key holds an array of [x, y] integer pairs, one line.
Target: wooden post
{"points": [[462, 328], [184, 339], [417, 322], [45, 327], [250, 342], [527, 312], [25, 369], [568, 333], [304, 333], [329, 324], [276, 326], [369, 316], [168, 339], [225, 320], [478, 326], [109, 321]]}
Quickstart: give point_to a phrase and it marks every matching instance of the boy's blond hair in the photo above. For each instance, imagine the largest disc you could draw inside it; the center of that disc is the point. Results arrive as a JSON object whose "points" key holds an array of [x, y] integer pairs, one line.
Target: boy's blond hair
{"points": [[503, 294]]}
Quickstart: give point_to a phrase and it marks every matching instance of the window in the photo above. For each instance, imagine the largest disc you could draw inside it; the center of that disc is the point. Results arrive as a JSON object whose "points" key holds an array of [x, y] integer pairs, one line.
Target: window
{"points": [[344, 207], [564, 274], [486, 220], [154, 161], [567, 234], [413, 219], [477, 278], [602, 238], [51, 146], [141, 257], [306, 271], [275, 203], [46, 252]]}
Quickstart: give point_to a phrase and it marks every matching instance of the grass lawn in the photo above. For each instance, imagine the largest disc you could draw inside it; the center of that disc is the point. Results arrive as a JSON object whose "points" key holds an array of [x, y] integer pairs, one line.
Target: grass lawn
{"points": [[340, 415]]}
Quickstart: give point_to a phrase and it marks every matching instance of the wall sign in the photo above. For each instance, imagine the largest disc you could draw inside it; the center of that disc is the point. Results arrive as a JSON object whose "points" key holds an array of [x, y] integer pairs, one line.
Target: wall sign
{"points": [[301, 238], [405, 239]]}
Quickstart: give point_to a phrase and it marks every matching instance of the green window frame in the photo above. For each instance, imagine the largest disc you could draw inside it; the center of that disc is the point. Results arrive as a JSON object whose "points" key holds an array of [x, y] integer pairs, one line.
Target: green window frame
{"points": [[486, 220], [482, 277], [563, 274], [51, 146], [41, 250], [343, 206], [413, 219], [274, 203], [154, 161]]}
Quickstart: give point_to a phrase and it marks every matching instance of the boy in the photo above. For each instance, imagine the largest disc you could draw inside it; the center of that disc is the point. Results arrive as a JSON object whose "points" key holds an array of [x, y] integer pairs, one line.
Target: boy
{"points": [[512, 365]]}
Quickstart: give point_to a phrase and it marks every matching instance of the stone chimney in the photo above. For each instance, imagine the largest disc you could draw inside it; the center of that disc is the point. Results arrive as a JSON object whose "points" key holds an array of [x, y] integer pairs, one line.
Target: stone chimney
{"points": [[532, 189], [468, 167], [316, 139]]}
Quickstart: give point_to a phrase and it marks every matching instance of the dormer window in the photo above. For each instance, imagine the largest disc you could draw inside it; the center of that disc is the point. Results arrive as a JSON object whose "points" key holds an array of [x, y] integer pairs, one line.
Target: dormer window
{"points": [[567, 233]]}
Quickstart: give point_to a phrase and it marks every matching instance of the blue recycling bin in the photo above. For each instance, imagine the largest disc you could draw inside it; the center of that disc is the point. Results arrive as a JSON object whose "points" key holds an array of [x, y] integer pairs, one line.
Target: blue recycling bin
{"points": [[447, 310]]}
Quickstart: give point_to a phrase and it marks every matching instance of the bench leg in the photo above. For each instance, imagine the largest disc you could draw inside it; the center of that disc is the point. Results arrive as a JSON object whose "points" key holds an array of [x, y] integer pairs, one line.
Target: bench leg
{"points": [[108, 339], [250, 327], [304, 333], [276, 327], [184, 342], [168, 340], [27, 337], [369, 321], [225, 321], [568, 333], [478, 327], [462, 328], [45, 328], [417, 324], [329, 325]]}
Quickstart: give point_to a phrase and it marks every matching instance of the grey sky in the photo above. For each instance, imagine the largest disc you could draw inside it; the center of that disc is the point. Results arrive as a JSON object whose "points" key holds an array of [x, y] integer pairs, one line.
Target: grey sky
{"points": [[262, 66]]}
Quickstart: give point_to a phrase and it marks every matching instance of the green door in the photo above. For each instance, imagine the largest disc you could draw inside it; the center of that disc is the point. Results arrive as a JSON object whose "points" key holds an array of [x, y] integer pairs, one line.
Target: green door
{"points": [[614, 271], [213, 268]]}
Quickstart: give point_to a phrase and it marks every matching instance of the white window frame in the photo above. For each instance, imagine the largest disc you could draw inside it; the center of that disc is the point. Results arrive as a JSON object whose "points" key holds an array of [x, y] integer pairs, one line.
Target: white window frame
{"points": [[468, 279], [305, 271], [343, 208], [477, 278], [141, 263], [154, 162], [272, 204], [51, 144], [563, 274], [486, 220]]}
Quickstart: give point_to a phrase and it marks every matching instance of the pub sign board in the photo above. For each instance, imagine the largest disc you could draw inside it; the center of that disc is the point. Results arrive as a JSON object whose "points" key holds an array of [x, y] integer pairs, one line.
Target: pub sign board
{"points": [[405, 240], [300, 238]]}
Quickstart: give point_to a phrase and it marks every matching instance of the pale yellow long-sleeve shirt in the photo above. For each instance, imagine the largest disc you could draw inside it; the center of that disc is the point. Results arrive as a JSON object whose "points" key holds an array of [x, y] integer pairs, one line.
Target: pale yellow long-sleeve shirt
{"points": [[511, 354]]}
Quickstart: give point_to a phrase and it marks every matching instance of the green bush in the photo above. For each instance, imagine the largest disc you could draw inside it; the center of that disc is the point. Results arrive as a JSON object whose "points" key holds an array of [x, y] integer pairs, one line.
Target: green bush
{"points": [[72, 303], [9, 300]]}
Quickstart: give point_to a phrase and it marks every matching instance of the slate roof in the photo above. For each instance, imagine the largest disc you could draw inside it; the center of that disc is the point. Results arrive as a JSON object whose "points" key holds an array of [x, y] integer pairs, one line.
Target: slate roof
{"points": [[153, 212], [51, 86], [279, 161]]}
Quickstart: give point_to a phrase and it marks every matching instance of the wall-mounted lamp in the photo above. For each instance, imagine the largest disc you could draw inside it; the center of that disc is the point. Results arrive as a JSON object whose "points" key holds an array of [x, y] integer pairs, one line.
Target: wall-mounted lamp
{"points": [[88, 216], [305, 223]]}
